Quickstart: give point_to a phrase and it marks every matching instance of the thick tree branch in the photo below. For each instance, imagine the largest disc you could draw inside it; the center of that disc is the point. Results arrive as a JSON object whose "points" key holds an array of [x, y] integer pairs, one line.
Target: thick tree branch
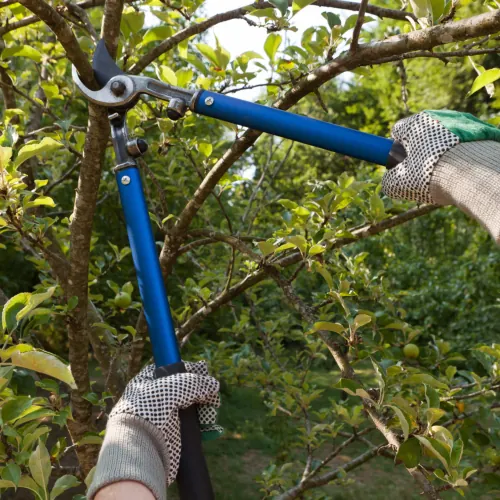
{"points": [[418, 40], [203, 26], [65, 37], [110, 29], [80, 237]]}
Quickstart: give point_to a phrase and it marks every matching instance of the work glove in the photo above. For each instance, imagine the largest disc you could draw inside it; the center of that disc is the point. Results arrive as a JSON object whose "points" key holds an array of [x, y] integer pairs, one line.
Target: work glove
{"points": [[143, 441], [453, 159]]}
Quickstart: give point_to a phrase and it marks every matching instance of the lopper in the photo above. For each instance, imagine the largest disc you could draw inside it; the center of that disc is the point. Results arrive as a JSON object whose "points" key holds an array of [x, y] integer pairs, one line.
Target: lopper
{"points": [[120, 92]]}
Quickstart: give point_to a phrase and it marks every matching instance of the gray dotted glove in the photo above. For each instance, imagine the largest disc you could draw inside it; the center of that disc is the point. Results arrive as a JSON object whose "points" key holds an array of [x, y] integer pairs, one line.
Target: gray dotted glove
{"points": [[158, 401], [427, 136]]}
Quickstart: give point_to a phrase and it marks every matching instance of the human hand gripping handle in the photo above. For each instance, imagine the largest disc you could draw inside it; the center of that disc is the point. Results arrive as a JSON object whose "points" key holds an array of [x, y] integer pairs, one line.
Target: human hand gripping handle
{"points": [[143, 436], [193, 478], [453, 159]]}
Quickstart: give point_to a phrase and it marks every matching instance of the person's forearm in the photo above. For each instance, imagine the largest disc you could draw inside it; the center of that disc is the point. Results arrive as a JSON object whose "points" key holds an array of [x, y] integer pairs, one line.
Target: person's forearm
{"points": [[468, 176], [125, 490], [132, 453]]}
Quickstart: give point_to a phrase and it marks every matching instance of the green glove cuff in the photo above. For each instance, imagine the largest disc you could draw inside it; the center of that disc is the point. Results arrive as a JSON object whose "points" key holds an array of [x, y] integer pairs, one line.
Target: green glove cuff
{"points": [[466, 127]]}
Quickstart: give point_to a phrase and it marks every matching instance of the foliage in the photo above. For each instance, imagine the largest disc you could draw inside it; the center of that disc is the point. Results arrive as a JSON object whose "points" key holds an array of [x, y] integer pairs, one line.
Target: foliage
{"points": [[284, 275]]}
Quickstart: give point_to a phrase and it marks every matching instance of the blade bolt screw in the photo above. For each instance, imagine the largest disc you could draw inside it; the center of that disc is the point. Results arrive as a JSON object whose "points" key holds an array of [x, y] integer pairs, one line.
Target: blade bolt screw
{"points": [[118, 88], [209, 101], [125, 180]]}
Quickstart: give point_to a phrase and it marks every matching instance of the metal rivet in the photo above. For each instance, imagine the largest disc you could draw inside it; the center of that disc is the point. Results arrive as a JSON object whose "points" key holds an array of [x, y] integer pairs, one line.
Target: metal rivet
{"points": [[125, 180], [209, 101]]}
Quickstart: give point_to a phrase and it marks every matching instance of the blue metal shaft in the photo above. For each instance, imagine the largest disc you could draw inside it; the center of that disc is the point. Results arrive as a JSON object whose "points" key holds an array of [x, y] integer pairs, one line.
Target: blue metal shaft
{"points": [[147, 265], [295, 127]]}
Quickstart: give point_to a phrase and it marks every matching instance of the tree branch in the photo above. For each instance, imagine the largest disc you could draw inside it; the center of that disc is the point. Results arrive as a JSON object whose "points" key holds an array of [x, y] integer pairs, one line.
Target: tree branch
{"points": [[293, 258], [203, 26], [65, 37], [359, 25], [110, 29]]}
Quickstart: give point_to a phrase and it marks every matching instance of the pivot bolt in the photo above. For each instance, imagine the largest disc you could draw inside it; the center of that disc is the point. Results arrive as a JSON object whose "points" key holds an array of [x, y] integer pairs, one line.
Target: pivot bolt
{"points": [[209, 101], [118, 88], [125, 180]]}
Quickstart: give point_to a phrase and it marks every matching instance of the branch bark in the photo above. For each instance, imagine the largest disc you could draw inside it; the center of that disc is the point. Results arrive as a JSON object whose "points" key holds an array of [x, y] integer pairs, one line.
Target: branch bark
{"points": [[65, 37], [199, 28], [80, 236]]}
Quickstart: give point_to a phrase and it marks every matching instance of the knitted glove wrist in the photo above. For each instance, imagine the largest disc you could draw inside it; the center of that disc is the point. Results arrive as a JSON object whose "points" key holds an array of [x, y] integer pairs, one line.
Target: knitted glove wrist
{"points": [[427, 136]]}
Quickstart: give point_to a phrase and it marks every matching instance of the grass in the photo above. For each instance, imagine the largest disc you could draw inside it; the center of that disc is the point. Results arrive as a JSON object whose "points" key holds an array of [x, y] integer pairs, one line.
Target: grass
{"points": [[251, 443]]}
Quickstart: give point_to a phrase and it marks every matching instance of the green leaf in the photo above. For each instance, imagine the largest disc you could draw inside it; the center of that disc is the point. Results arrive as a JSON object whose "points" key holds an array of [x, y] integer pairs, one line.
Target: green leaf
{"points": [[208, 52], [90, 439], [316, 249], [28, 483], [432, 397], [44, 362], [184, 77], [377, 208], [437, 9], [437, 450], [282, 5], [420, 8], [299, 241], [433, 415], [40, 466], [288, 204], [361, 320], [489, 76], [15, 407], [331, 327], [62, 484], [205, 148], [132, 21], [11, 308], [450, 372], [332, 19], [410, 453], [46, 145], [457, 452], [298, 5], [353, 388], [424, 378], [403, 421], [4, 483], [271, 45], [35, 300], [266, 247], [167, 75], [157, 33], [24, 50], [12, 472], [41, 201], [325, 273]]}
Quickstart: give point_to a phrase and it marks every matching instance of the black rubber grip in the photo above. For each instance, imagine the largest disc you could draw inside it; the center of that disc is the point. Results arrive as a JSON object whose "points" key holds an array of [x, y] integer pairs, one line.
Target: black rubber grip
{"points": [[193, 478], [396, 155]]}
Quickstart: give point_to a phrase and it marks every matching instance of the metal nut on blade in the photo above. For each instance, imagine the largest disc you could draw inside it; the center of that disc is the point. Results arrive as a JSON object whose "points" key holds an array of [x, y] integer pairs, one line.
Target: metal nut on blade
{"points": [[176, 109], [118, 88], [137, 147]]}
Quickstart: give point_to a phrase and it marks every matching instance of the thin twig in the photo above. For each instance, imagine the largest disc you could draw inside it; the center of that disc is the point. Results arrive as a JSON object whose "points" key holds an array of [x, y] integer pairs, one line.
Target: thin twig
{"points": [[359, 25]]}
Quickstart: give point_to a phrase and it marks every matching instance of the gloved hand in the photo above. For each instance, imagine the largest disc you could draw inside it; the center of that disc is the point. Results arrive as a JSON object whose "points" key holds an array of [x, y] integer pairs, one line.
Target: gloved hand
{"points": [[453, 159], [143, 441]]}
